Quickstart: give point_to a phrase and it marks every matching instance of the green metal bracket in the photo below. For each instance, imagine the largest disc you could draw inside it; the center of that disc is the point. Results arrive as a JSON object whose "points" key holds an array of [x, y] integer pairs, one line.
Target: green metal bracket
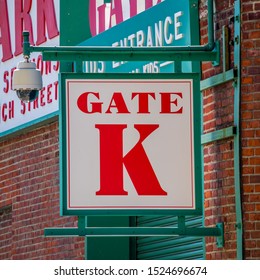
{"points": [[225, 46], [174, 53], [26, 44], [217, 49], [220, 238], [218, 135], [181, 230], [218, 79], [123, 53], [206, 52], [132, 231]]}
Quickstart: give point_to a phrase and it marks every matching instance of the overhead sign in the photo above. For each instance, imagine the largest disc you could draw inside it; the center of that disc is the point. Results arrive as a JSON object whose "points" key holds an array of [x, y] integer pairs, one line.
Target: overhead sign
{"points": [[129, 144], [166, 24], [104, 14]]}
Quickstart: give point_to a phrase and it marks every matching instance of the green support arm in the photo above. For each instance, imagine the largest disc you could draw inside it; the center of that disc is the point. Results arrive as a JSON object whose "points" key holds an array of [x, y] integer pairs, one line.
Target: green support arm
{"points": [[181, 230]]}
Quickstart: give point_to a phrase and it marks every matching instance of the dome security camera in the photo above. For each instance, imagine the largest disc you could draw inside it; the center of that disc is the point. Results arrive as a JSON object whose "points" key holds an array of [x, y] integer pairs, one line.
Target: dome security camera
{"points": [[27, 81]]}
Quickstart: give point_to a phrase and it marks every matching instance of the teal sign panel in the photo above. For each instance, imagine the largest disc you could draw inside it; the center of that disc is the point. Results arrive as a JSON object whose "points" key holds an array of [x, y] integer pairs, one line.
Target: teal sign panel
{"points": [[166, 24]]}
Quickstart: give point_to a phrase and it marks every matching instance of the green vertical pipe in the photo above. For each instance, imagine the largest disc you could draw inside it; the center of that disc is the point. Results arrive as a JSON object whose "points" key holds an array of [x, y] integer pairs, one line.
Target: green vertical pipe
{"points": [[210, 24], [26, 44], [202, 171], [196, 67], [74, 26], [237, 159]]}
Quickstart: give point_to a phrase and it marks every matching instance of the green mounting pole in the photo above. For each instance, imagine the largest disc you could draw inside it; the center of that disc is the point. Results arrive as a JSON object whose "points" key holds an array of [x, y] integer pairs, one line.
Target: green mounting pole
{"points": [[217, 231], [26, 44], [211, 41]]}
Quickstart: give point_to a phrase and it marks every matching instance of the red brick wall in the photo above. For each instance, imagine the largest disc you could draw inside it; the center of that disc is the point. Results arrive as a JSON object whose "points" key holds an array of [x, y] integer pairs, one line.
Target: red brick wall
{"points": [[29, 198], [219, 190], [6, 232], [219, 156]]}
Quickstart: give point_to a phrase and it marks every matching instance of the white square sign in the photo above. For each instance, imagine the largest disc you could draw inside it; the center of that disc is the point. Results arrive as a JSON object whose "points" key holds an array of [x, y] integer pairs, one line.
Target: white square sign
{"points": [[129, 144]]}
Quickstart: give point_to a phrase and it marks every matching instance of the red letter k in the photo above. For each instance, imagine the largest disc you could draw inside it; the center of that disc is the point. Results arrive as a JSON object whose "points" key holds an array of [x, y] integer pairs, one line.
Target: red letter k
{"points": [[135, 161]]}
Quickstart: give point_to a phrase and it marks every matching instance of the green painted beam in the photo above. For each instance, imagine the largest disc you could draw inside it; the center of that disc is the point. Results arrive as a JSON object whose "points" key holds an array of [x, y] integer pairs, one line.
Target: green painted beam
{"points": [[72, 53], [122, 53], [217, 79], [133, 231], [218, 135]]}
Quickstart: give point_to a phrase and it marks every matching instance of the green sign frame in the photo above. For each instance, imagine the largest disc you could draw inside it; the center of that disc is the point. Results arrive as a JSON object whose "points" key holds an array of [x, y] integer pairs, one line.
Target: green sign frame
{"points": [[197, 210]]}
